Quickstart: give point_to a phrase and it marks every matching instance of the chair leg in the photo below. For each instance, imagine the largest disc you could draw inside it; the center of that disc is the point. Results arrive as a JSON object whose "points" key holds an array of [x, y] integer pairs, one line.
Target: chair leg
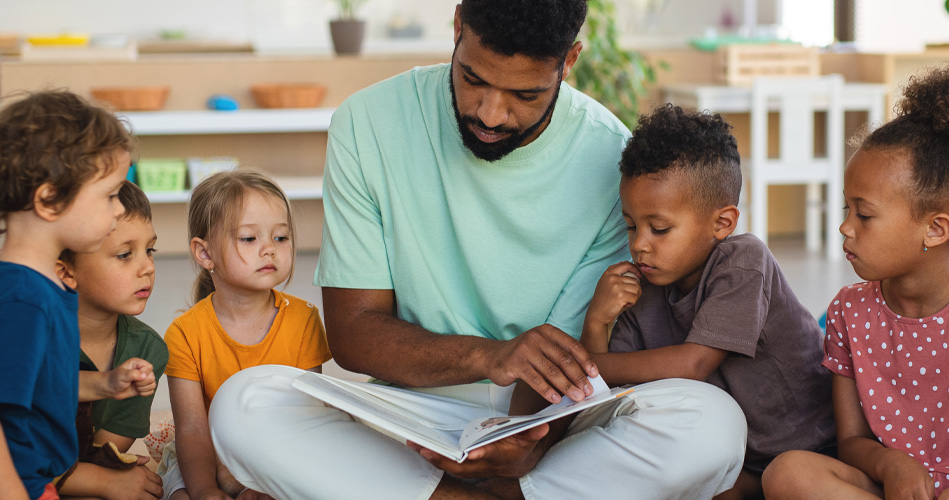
{"points": [[835, 217], [813, 220], [743, 210], [759, 209]]}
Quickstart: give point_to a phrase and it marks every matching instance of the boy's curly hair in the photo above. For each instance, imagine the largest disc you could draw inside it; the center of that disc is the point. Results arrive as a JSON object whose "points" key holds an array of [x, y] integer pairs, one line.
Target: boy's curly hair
{"points": [[921, 128], [539, 29], [54, 137], [699, 145]]}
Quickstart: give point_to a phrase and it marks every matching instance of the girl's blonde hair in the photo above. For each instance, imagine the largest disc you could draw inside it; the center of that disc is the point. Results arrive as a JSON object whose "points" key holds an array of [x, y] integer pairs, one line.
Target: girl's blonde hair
{"points": [[215, 209]]}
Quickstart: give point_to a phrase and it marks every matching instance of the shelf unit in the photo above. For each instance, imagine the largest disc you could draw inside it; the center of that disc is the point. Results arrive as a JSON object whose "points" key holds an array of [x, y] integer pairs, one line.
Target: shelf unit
{"points": [[253, 121]]}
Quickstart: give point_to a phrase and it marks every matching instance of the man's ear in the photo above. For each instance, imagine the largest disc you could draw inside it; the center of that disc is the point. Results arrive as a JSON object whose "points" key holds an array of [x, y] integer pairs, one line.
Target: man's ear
{"points": [[572, 55], [457, 23], [65, 274], [41, 205], [938, 232], [199, 250], [726, 220]]}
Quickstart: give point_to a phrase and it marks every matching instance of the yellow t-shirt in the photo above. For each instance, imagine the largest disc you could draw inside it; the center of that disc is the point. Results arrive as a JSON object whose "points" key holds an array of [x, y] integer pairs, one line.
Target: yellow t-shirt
{"points": [[200, 350]]}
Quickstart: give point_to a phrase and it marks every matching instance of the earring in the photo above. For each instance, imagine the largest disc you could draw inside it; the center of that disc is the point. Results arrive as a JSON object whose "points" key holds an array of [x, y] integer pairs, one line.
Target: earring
{"points": [[925, 248], [211, 271]]}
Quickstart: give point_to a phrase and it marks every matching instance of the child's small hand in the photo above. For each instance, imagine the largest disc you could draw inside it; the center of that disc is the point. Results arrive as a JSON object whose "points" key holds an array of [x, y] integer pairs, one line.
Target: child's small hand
{"points": [[618, 289], [134, 377], [904, 477]]}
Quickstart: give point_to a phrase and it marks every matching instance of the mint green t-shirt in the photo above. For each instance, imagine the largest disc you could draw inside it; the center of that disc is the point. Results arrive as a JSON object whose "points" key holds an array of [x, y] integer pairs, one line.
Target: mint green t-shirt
{"points": [[469, 246]]}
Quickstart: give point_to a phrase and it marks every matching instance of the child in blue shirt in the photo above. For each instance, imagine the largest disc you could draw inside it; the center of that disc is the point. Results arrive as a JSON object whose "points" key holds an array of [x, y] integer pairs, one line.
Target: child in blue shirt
{"points": [[62, 162]]}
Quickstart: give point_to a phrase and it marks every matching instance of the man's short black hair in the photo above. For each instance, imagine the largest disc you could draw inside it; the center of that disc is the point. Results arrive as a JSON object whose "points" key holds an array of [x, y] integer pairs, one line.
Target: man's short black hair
{"points": [[539, 29], [699, 145]]}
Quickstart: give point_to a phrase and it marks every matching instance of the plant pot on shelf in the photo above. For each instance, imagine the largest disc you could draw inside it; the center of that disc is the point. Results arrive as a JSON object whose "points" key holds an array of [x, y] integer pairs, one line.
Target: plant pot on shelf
{"points": [[347, 35]]}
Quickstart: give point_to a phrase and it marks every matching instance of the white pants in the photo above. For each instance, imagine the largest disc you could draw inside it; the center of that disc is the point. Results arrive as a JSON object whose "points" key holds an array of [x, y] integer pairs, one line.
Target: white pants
{"points": [[668, 439]]}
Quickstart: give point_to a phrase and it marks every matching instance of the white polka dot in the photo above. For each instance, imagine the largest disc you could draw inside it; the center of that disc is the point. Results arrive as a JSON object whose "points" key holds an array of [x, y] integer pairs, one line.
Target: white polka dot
{"points": [[847, 304], [922, 371], [889, 427], [866, 325], [939, 320]]}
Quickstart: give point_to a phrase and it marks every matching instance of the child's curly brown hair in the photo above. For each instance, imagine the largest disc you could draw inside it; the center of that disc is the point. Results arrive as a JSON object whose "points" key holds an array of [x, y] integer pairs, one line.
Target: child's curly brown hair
{"points": [[57, 138]]}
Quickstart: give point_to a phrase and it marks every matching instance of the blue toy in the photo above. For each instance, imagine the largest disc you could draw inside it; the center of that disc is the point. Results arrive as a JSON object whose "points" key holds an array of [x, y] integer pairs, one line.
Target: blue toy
{"points": [[222, 102]]}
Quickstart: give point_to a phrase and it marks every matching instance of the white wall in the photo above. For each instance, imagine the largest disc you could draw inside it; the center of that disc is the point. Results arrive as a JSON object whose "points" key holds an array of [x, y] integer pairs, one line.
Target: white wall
{"points": [[269, 24], [906, 26]]}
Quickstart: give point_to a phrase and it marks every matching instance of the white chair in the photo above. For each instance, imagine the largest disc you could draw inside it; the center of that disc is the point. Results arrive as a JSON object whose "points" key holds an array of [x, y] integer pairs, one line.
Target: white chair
{"points": [[796, 100]]}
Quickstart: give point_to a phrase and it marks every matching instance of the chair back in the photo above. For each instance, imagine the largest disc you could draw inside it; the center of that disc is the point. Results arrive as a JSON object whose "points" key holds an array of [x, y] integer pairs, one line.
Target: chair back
{"points": [[797, 100]]}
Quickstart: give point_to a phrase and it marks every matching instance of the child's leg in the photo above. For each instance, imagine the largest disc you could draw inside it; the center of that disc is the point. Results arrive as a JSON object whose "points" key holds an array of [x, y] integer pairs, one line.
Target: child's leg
{"points": [[804, 474], [747, 487]]}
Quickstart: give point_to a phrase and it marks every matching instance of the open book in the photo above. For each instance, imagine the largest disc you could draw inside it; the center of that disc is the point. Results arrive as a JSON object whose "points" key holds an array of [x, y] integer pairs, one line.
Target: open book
{"points": [[448, 426]]}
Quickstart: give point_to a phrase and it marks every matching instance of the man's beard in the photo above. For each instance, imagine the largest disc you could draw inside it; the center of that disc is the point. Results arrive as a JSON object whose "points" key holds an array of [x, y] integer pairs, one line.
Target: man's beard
{"points": [[494, 151]]}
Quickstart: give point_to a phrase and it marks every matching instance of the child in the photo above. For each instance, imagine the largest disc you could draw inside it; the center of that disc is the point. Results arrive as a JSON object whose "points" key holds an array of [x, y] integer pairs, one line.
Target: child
{"points": [[891, 397], [62, 162], [242, 239], [114, 284], [697, 303]]}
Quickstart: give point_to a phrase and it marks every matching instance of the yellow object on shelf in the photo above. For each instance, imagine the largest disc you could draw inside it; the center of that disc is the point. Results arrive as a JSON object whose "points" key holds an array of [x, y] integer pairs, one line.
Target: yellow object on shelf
{"points": [[64, 39]]}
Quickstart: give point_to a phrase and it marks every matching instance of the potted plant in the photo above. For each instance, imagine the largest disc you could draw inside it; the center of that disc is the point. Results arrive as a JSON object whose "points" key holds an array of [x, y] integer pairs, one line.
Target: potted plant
{"points": [[348, 31], [614, 76]]}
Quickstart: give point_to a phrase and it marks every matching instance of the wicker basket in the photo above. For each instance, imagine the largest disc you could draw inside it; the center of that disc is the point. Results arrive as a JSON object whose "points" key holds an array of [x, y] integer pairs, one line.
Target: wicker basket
{"points": [[288, 95], [740, 64], [132, 98]]}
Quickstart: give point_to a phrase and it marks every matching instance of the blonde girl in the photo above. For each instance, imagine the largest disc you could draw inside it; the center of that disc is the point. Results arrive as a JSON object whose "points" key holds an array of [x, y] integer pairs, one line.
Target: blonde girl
{"points": [[242, 235], [886, 340]]}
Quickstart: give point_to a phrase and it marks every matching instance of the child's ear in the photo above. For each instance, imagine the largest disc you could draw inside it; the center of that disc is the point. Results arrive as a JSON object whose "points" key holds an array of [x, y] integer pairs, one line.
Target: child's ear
{"points": [[726, 219], [41, 205], [199, 250], [65, 274], [938, 232]]}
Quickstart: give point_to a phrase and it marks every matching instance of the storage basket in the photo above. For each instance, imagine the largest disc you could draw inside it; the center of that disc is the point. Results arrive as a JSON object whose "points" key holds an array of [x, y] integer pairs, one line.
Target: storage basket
{"points": [[132, 98], [201, 168], [161, 174], [288, 95], [740, 64]]}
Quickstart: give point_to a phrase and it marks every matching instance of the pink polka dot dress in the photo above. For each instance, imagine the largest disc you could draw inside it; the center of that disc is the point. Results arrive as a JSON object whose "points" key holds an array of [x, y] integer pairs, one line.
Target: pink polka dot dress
{"points": [[901, 368]]}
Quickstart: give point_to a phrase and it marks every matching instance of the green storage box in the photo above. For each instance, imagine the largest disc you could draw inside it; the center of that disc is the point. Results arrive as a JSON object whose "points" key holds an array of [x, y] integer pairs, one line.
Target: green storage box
{"points": [[162, 174]]}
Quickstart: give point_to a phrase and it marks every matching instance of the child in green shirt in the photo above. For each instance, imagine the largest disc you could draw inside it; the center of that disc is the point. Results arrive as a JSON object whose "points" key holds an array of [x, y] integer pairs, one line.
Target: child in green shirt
{"points": [[113, 285]]}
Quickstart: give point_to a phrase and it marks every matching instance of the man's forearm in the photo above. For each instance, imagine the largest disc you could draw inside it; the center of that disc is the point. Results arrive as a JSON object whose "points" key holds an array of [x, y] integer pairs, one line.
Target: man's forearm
{"points": [[400, 352]]}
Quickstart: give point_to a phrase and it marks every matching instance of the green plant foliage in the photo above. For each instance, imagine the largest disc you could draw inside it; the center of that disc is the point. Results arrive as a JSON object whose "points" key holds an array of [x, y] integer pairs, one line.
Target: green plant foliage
{"points": [[349, 8], [614, 76]]}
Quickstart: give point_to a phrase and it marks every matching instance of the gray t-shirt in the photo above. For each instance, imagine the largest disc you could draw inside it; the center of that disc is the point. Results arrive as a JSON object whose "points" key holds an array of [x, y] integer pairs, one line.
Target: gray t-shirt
{"points": [[744, 305]]}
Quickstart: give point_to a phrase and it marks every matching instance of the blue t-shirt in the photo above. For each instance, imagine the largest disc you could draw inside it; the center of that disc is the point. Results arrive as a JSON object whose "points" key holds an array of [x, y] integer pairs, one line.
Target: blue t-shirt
{"points": [[39, 367], [470, 247]]}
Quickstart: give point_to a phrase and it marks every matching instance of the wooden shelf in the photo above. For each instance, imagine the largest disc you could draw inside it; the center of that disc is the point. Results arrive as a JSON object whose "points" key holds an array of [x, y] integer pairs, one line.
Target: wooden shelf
{"points": [[248, 121], [297, 188]]}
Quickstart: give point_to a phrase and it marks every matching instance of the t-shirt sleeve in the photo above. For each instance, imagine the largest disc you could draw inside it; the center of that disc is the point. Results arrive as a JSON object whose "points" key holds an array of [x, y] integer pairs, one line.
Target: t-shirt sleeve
{"points": [[182, 360], [627, 335], [609, 248], [837, 355], [353, 249], [314, 349], [24, 340], [733, 313]]}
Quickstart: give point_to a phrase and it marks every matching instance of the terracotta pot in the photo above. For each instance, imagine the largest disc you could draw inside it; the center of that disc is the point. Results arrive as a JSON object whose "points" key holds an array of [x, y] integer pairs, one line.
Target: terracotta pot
{"points": [[347, 35]]}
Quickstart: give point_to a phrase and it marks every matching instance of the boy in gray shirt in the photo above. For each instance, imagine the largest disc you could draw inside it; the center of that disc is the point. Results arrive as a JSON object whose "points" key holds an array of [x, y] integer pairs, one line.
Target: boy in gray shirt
{"points": [[698, 303]]}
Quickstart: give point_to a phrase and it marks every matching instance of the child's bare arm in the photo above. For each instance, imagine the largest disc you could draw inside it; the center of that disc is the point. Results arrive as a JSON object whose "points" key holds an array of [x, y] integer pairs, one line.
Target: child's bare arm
{"points": [[900, 475], [196, 457], [90, 480], [134, 377], [12, 485], [688, 360], [616, 290]]}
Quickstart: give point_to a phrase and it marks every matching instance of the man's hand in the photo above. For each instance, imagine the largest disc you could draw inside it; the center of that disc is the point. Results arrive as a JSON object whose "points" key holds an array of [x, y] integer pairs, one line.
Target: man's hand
{"points": [[250, 494], [134, 377], [548, 360], [512, 456]]}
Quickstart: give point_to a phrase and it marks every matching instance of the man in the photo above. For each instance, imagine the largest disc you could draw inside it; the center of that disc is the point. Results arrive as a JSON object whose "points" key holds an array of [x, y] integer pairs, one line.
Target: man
{"points": [[470, 210]]}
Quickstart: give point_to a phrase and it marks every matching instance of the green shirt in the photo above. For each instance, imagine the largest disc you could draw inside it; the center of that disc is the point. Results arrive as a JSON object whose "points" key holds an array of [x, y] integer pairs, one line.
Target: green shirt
{"points": [[470, 247], [129, 417]]}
